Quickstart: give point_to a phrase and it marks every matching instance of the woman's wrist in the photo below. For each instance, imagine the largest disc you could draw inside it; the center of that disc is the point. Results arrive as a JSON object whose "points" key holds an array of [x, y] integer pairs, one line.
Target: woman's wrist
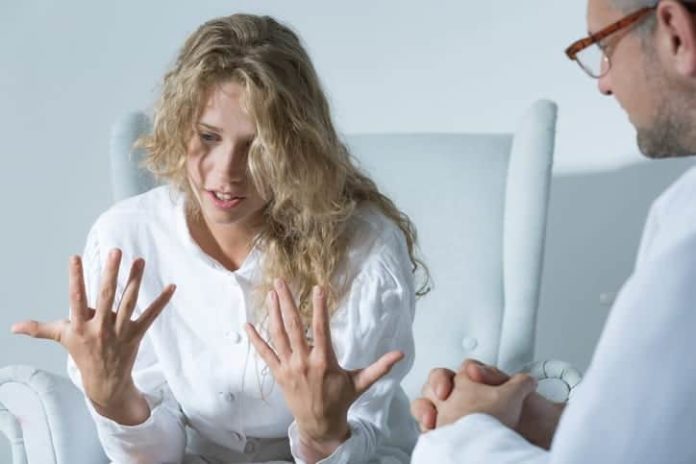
{"points": [[315, 449], [130, 408]]}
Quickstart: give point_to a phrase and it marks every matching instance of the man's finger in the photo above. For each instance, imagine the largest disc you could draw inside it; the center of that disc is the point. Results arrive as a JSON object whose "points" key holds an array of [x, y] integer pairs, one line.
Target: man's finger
{"points": [[425, 414], [482, 373], [520, 386], [439, 385], [365, 378], [43, 330]]}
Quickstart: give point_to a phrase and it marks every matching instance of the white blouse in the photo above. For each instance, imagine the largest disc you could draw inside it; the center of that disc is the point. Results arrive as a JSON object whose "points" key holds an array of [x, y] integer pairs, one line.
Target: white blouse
{"points": [[211, 396]]}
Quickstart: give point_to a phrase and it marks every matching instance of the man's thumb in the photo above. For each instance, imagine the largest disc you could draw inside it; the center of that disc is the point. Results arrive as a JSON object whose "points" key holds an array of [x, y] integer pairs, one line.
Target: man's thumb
{"points": [[520, 386], [482, 373]]}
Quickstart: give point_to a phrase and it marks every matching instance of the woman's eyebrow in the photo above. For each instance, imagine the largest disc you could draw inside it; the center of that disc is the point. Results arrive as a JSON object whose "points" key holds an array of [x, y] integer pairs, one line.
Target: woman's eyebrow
{"points": [[208, 126]]}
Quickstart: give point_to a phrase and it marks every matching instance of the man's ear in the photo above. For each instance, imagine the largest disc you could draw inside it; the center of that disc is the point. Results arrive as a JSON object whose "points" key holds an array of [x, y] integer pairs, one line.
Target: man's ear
{"points": [[676, 36]]}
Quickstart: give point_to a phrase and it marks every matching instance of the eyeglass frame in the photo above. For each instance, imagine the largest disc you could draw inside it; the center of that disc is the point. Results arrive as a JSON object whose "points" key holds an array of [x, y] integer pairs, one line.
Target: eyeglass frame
{"points": [[592, 39]]}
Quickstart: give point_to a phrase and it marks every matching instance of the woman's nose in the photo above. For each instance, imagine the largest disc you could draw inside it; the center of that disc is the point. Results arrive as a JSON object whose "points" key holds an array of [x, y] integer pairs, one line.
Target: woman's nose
{"points": [[230, 161]]}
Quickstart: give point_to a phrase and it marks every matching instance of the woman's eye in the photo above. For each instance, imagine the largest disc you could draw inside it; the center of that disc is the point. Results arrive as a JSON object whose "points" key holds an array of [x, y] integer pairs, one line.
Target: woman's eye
{"points": [[207, 137]]}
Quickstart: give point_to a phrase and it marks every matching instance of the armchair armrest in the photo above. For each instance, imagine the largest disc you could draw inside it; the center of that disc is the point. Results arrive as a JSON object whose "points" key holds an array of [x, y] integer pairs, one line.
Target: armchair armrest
{"points": [[11, 429], [45, 418], [557, 379]]}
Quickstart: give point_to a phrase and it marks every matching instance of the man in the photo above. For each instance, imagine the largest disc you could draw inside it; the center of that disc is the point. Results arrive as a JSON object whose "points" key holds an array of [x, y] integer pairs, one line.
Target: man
{"points": [[637, 403]]}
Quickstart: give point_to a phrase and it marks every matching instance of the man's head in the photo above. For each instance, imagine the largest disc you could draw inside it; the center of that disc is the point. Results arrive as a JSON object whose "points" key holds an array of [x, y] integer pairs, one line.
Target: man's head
{"points": [[650, 68]]}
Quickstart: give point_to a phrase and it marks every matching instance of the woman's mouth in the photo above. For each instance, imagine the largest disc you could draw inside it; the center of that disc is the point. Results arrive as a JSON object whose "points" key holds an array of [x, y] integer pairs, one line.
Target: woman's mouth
{"points": [[224, 200]]}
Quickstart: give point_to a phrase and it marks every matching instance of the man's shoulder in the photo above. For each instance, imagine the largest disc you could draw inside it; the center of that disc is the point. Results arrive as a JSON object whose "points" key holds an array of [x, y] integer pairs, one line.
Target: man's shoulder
{"points": [[678, 198], [670, 270]]}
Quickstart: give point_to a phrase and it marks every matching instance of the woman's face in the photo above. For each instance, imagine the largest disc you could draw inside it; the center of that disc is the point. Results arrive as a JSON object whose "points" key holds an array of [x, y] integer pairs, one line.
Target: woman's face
{"points": [[217, 160]]}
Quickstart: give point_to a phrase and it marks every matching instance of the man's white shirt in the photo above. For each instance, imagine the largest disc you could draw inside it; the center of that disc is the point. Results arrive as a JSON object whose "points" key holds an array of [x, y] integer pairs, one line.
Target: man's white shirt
{"points": [[637, 402]]}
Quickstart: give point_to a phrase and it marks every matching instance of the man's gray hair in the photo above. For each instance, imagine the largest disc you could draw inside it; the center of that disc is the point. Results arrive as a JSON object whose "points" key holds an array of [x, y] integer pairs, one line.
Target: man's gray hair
{"points": [[629, 6], [633, 5]]}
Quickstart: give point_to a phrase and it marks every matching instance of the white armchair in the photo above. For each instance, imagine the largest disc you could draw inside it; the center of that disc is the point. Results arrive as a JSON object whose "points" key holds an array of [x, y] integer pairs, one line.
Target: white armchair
{"points": [[479, 203]]}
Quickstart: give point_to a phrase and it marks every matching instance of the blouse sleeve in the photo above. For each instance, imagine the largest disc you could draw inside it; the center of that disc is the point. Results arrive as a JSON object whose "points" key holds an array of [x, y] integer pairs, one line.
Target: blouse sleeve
{"points": [[376, 317], [161, 438]]}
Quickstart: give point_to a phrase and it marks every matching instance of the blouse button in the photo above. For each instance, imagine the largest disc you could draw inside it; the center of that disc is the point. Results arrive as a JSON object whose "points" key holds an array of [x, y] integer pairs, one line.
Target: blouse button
{"points": [[234, 336]]}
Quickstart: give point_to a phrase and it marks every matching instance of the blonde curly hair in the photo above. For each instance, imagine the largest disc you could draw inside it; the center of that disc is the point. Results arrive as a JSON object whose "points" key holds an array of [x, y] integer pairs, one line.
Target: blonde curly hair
{"points": [[296, 161]]}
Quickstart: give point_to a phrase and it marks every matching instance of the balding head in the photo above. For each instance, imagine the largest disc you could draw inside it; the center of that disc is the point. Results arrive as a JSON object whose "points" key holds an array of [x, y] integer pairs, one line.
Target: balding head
{"points": [[628, 6]]}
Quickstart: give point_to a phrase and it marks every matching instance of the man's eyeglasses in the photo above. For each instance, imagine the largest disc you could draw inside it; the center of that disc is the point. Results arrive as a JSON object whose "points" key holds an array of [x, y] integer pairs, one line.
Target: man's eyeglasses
{"points": [[590, 52]]}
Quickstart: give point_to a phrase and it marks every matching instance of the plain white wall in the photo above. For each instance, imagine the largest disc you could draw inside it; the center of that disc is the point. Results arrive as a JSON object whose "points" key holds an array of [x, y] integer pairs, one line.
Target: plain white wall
{"points": [[68, 69]]}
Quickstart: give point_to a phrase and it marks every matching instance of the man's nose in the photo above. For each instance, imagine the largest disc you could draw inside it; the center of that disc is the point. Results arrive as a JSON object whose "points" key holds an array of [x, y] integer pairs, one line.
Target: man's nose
{"points": [[604, 81], [604, 89]]}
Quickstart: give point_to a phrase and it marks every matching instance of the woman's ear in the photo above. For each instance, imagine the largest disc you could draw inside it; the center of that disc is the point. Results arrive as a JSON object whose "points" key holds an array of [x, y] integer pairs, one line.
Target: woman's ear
{"points": [[676, 36]]}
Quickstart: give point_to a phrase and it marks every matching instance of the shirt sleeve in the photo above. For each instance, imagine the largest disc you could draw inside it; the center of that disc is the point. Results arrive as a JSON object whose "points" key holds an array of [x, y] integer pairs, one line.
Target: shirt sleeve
{"points": [[476, 438], [161, 438], [376, 317]]}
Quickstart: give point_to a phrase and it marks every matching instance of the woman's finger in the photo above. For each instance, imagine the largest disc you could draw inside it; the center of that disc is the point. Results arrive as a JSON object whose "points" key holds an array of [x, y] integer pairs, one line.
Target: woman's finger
{"points": [[320, 324], [365, 378], [262, 348], [277, 329], [107, 292], [291, 318], [44, 330], [130, 295], [79, 311], [153, 311]]}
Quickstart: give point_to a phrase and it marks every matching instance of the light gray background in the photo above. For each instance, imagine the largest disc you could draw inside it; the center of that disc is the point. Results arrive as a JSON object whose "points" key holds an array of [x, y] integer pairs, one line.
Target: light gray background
{"points": [[68, 69]]}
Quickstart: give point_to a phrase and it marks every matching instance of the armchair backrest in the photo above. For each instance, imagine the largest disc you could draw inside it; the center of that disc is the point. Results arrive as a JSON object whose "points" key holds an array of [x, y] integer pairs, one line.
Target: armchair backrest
{"points": [[479, 202]]}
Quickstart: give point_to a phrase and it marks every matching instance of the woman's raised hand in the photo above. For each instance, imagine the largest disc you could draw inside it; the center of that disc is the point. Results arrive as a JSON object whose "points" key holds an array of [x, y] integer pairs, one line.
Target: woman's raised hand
{"points": [[317, 389], [103, 342]]}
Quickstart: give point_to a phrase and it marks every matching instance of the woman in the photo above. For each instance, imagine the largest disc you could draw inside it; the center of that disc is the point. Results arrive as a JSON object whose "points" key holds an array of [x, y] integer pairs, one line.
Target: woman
{"points": [[264, 220]]}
